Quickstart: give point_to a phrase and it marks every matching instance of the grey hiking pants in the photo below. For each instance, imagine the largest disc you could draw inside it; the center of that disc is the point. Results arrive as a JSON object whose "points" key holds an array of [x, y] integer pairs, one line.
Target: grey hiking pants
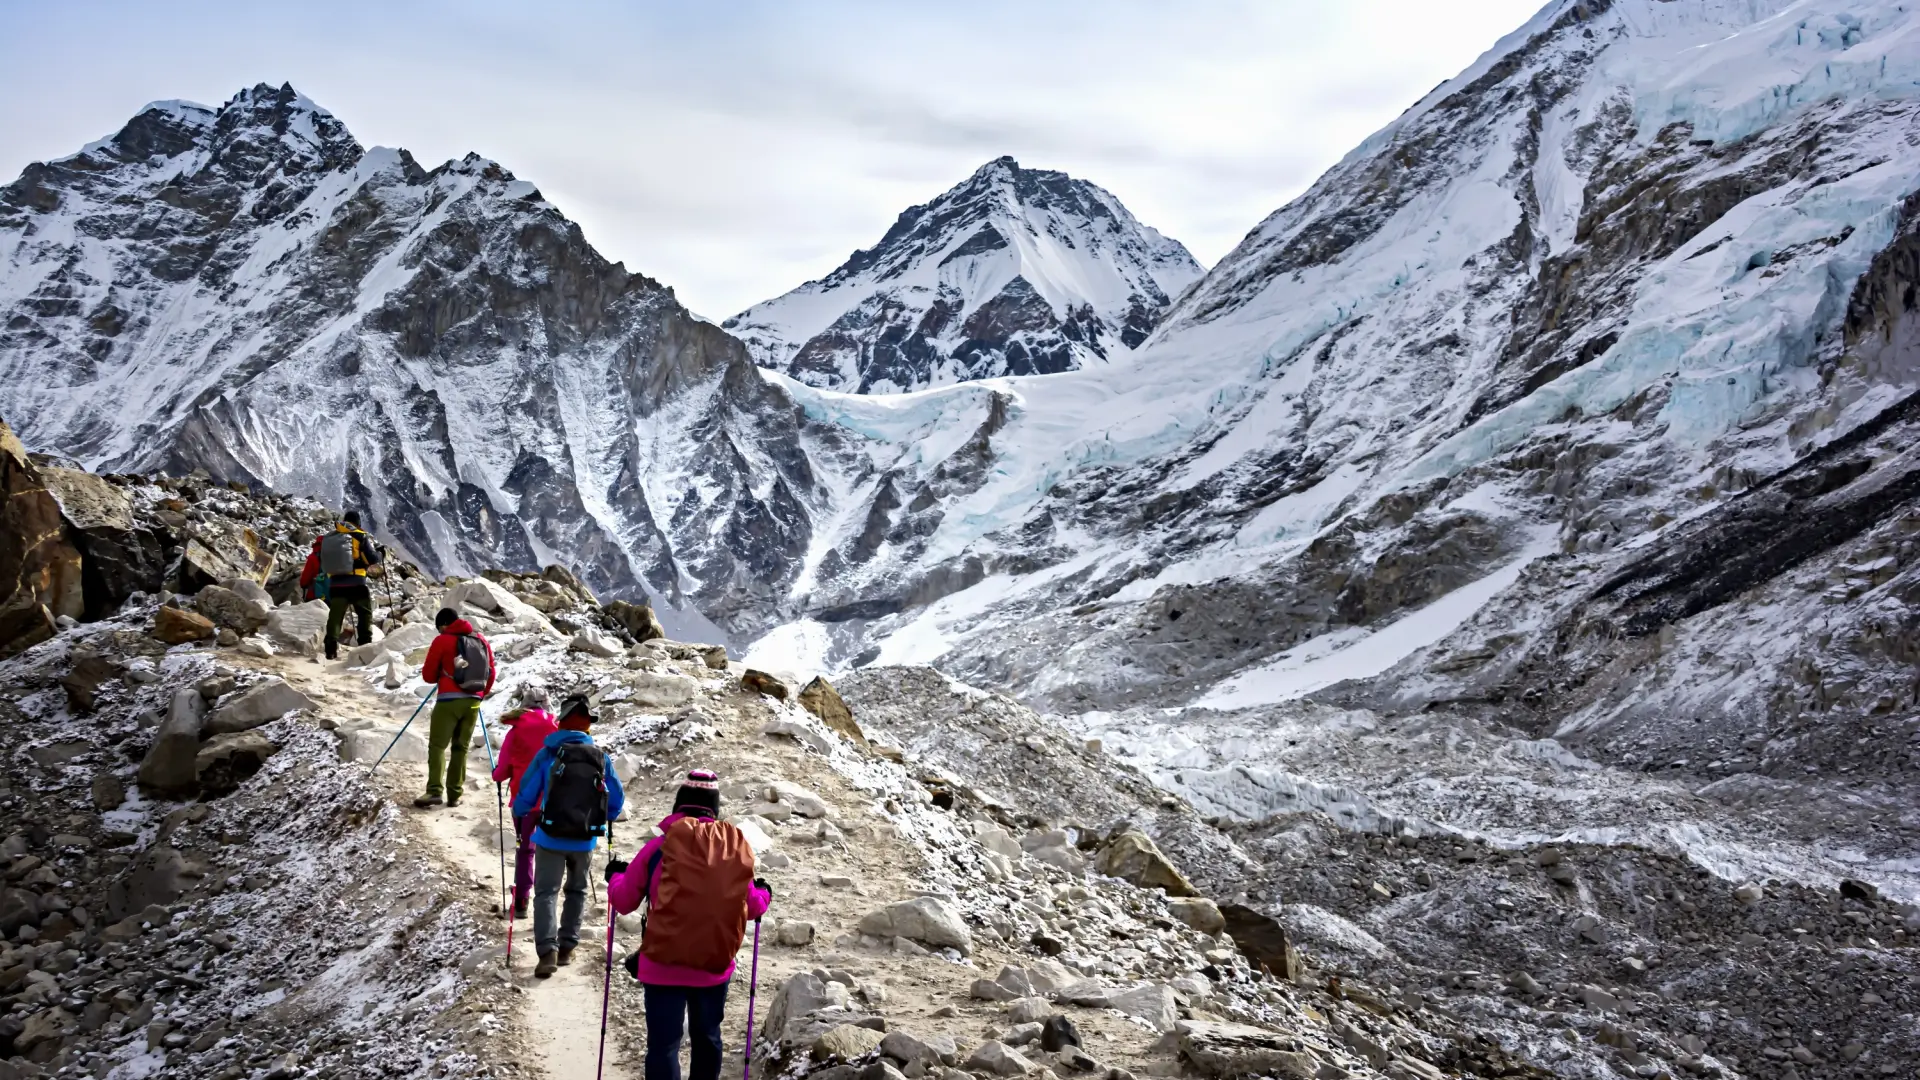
{"points": [[549, 866]]}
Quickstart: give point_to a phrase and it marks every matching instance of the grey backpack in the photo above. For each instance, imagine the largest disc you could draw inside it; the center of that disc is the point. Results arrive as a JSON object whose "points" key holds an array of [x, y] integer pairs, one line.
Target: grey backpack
{"points": [[336, 554]]}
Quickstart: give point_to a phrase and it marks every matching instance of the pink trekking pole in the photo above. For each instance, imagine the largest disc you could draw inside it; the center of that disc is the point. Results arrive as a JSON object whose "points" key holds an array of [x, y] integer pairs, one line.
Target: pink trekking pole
{"points": [[753, 987], [606, 986]]}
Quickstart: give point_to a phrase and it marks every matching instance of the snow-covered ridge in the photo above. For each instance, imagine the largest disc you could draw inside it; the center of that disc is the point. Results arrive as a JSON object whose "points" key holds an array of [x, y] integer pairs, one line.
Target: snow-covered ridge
{"points": [[1014, 271]]}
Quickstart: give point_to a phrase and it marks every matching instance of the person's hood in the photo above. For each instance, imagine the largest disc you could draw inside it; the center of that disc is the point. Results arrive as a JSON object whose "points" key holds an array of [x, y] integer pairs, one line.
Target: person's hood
{"points": [[458, 626], [535, 717], [565, 736]]}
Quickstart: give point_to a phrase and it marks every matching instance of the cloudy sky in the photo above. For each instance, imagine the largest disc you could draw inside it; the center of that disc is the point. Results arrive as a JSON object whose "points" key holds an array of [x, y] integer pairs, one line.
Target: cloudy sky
{"points": [[735, 148]]}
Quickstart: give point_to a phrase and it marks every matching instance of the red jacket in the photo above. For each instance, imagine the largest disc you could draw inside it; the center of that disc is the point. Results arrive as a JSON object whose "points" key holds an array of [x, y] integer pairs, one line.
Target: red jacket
{"points": [[440, 657], [526, 733]]}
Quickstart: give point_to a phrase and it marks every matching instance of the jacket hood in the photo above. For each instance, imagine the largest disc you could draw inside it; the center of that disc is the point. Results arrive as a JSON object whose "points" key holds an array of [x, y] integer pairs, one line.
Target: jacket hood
{"points": [[564, 736], [535, 717], [458, 626]]}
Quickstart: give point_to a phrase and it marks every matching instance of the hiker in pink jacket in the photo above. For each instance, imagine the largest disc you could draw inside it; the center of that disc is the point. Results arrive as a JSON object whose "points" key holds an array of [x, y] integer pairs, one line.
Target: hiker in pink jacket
{"points": [[676, 995], [528, 728]]}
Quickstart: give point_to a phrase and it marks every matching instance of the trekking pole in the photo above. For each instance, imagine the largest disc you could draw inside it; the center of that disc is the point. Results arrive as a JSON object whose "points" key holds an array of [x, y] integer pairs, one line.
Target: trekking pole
{"points": [[753, 989], [606, 986], [500, 809], [403, 730]]}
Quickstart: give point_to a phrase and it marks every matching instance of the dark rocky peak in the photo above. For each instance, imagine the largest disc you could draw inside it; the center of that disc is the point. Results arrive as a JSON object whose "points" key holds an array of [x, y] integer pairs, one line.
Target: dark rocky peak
{"points": [[164, 129], [263, 129]]}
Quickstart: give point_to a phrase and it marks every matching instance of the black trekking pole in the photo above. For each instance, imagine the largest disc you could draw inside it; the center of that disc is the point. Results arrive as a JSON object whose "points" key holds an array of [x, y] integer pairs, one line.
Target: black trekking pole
{"points": [[606, 986]]}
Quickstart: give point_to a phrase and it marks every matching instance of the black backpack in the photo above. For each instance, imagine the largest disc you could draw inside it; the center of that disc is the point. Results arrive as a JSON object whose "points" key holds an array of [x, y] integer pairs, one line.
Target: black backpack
{"points": [[474, 675], [576, 803]]}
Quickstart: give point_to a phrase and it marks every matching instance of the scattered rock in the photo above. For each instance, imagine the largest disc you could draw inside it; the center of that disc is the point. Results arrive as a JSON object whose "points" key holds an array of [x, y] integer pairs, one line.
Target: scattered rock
{"points": [[822, 700], [1749, 893], [1058, 1033], [596, 642], [177, 626], [793, 934], [82, 683], [1133, 856], [638, 620], [299, 628], [1153, 1003], [268, 701], [170, 763], [1237, 1050], [226, 761], [108, 791], [1262, 940], [989, 990], [997, 1058], [926, 919], [1198, 912], [1028, 1010], [1865, 893], [648, 690], [231, 611], [715, 657], [801, 733], [844, 1043]]}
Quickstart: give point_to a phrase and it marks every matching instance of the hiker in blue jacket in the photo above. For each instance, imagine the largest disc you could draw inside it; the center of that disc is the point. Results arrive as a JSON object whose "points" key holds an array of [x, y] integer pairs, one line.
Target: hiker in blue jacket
{"points": [[572, 784]]}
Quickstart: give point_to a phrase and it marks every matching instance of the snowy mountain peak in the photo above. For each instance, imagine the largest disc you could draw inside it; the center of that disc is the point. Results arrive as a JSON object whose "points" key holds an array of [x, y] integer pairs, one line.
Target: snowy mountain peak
{"points": [[1013, 271]]}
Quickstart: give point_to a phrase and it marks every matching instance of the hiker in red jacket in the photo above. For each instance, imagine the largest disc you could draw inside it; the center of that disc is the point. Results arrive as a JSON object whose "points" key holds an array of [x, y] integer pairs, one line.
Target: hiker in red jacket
{"points": [[460, 661], [678, 993], [527, 731]]}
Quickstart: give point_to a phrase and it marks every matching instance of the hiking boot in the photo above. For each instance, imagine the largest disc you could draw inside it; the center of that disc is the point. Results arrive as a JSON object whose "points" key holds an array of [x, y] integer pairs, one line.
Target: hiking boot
{"points": [[566, 957], [429, 799], [453, 801], [519, 912], [546, 967]]}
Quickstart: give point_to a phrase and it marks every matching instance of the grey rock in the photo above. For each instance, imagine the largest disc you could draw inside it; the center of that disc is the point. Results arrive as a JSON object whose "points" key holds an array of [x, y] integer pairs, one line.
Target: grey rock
{"points": [[1153, 1003], [1028, 1010], [927, 920], [998, 1059], [1238, 1050], [300, 628], [231, 611], [1198, 912], [169, 763], [266, 702]]}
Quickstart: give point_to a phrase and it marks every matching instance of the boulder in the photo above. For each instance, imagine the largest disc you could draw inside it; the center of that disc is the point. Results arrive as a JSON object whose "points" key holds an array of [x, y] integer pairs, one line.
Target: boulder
{"points": [[1262, 940], [220, 550], [801, 733], [596, 643], [480, 594], [108, 792], [794, 935], [927, 920], [647, 690], [1057, 1033], [298, 628], [159, 877], [178, 626], [1133, 856], [755, 681], [169, 765], [249, 589], [845, 1043], [802, 996], [117, 556], [40, 568], [1237, 1050], [230, 610], [1028, 1010], [1153, 1003], [82, 683], [18, 908], [400, 642], [638, 620], [226, 761], [268, 701], [996, 1058], [989, 990], [928, 1050], [715, 657], [798, 799], [47, 1025], [1198, 912], [822, 700]]}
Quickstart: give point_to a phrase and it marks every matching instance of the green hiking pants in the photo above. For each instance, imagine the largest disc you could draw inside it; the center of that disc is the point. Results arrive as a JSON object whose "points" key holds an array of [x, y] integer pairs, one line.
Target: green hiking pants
{"points": [[360, 601], [448, 740]]}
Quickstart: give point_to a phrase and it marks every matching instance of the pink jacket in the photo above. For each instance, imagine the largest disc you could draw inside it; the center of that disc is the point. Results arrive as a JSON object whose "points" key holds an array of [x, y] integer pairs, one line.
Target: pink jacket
{"points": [[633, 885], [526, 733]]}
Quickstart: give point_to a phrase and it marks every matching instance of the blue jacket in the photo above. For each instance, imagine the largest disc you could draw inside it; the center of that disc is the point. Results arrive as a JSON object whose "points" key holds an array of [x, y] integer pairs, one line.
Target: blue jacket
{"points": [[533, 791]]}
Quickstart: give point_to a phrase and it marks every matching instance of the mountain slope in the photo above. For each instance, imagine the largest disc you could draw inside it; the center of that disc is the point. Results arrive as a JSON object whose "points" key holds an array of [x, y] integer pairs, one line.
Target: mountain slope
{"points": [[247, 290], [1636, 260], [1013, 272]]}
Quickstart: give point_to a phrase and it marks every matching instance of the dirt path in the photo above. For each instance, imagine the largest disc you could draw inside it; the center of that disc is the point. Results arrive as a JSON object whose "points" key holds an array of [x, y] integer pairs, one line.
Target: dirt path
{"points": [[553, 1028]]}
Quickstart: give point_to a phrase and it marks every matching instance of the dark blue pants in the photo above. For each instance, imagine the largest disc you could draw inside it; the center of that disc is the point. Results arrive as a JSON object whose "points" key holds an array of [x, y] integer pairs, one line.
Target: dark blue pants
{"points": [[669, 1008]]}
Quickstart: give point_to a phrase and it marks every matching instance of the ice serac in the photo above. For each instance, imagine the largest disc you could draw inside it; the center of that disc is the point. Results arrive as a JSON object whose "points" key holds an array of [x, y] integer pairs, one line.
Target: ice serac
{"points": [[1014, 272], [249, 291], [1529, 405]]}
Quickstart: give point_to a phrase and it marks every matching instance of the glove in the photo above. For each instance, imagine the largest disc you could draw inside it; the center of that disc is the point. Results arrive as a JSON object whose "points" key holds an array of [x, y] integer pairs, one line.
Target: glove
{"points": [[615, 866], [761, 883]]}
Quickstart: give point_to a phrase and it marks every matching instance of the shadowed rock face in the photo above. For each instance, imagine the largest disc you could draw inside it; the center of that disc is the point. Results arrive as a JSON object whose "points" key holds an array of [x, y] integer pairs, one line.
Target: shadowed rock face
{"points": [[40, 576], [439, 347]]}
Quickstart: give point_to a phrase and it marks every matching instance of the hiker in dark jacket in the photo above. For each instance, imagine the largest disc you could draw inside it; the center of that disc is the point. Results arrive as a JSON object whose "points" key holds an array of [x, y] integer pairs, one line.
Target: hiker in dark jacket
{"points": [[345, 588], [451, 664], [569, 857]]}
